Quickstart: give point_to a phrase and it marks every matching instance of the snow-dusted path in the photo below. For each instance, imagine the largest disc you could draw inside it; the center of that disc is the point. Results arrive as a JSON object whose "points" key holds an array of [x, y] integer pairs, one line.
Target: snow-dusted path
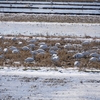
{"points": [[47, 84], [44, 28]]}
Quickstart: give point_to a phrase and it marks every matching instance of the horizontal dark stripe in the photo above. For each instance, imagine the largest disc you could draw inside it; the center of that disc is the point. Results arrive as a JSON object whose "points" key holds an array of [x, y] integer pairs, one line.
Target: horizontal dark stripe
{"points": [[52, 3], [76, 8], [52, 13]]}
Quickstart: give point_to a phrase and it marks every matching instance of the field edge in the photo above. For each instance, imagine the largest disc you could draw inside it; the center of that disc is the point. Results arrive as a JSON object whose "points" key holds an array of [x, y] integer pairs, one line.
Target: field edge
{"points": [[49, 18]]}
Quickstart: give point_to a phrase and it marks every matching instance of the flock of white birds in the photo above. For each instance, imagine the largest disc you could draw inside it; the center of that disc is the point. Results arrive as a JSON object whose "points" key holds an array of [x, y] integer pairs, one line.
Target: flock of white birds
{"points": [[43, 47]]}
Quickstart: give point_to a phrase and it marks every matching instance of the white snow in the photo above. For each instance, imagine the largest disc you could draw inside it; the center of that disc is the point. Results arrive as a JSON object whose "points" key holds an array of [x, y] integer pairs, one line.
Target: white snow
{"points": [[49, 11], [56, 3], [50, 28], [43, 5], [48, 83]]}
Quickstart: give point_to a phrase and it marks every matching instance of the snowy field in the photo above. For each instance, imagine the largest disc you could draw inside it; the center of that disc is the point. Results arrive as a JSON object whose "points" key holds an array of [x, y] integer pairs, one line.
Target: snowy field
{"points": [[74, 8], [48, 84], [43, 28]]}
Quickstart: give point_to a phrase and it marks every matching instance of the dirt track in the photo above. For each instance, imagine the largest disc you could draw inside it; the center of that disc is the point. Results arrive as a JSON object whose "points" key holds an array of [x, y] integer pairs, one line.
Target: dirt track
{"points": [[50, 18]]}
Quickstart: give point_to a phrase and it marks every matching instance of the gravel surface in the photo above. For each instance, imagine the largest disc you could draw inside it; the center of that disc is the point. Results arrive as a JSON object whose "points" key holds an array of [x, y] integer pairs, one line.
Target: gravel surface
{"points": [[50, 18]]}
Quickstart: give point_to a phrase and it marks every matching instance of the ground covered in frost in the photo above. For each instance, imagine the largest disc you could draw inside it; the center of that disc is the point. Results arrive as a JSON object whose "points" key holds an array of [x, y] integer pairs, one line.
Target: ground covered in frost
{"points": [[48, 84], [36, 83], [50, 28]]}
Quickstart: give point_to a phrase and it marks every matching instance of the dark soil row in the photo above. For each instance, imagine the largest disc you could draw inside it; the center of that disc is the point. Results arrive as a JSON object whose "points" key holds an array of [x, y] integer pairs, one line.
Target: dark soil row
{"points": [[66, 57], [50, 18]]}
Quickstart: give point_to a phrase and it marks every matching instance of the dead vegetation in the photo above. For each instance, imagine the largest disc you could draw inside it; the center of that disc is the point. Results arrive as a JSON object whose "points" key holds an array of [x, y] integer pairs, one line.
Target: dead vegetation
{"points": [[44, 60], [50, 18]]}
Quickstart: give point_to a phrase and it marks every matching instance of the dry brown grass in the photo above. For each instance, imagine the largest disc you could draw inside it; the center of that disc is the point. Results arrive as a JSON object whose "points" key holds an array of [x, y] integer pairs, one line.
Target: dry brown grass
{"points": [[66, 60], [50, 18]]}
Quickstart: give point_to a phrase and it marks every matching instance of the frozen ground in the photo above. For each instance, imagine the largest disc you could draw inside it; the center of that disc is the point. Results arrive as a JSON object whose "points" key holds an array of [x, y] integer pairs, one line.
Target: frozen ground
{"points": [[49, 18], [43, 28], [73, 8], [48, 84]]}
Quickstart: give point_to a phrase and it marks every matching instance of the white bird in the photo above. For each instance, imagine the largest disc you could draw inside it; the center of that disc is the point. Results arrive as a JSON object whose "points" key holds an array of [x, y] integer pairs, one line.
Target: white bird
{"points": [[78, 55], [31, 45], [55, 48], [57, 44], [29, 59], [40, 50], [99, 59], [0, 49], [41, 43], [86, 53], [34, 52], [55, 58], [54, 55], [77, 46], [41, 53], [12, 48], [67, 46], [15, 51], [85, 42], [1, 56], [93, 59], [20, 42], [43, 46], [14, 39], [32, 40], [72, 51], [5, 50], [76, 63], [25, 48], [2, 37], [95, 54], [52, 52]]}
